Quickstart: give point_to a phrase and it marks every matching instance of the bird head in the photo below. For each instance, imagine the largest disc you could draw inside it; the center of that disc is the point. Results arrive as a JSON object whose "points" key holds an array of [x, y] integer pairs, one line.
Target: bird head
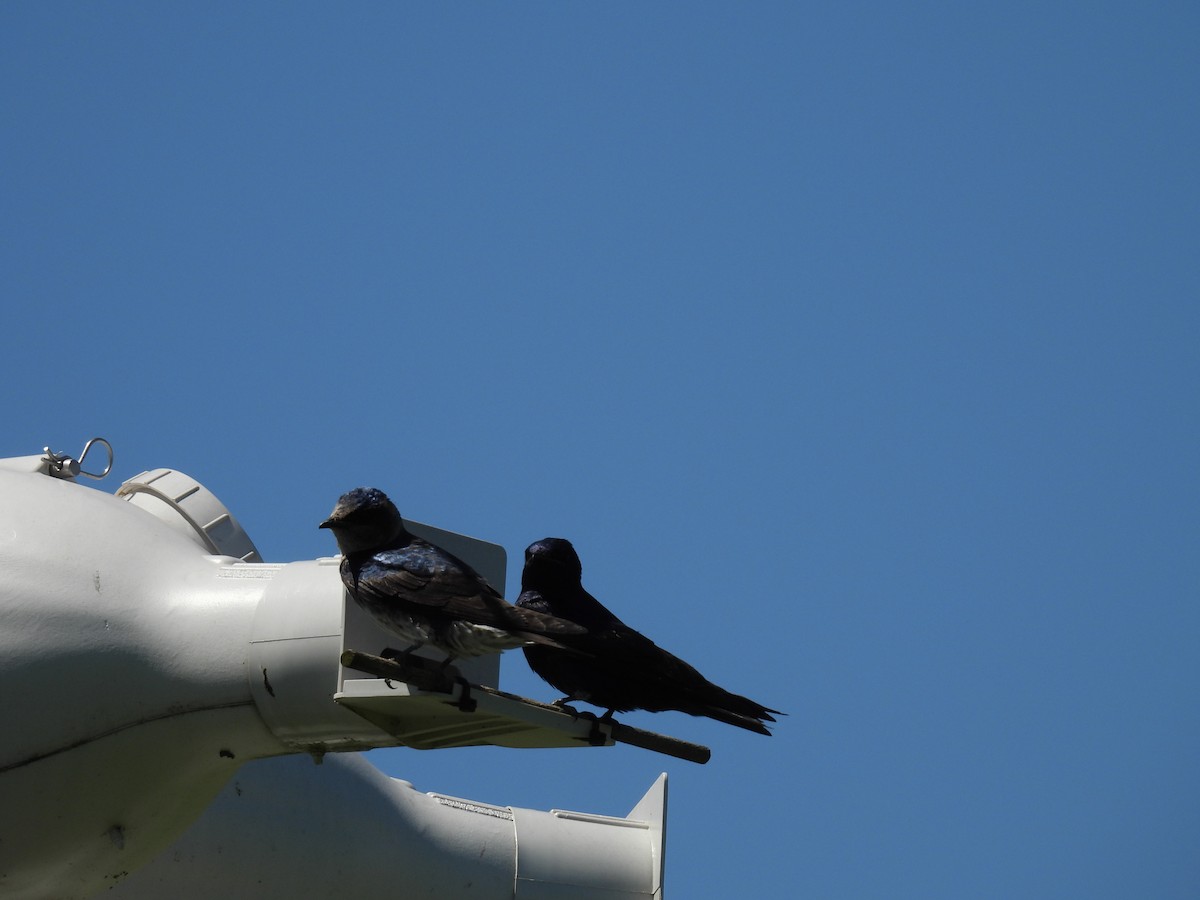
{"points": [[364, 519], [551, 560]]}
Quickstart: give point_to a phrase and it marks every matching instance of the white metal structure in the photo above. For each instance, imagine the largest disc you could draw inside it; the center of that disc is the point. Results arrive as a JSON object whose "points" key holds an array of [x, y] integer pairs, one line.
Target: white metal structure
{"points": [[284, 828], [146, 654]]}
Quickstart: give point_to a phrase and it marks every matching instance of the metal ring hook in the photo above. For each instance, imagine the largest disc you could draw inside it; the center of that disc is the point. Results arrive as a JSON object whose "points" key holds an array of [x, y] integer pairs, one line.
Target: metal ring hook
{"points": [[88, 446], [60, 465]]}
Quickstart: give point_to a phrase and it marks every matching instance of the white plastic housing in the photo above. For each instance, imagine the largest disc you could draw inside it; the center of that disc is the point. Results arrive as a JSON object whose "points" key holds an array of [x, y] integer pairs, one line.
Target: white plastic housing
{"points": [[284, 828], [140, 672], [126, 705]]}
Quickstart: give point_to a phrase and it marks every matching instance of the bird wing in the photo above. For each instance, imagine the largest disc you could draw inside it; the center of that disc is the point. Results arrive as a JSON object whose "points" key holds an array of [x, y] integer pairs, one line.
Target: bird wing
{"points": [[624, 669], [433, 581], [423, 575], [667, 682]]}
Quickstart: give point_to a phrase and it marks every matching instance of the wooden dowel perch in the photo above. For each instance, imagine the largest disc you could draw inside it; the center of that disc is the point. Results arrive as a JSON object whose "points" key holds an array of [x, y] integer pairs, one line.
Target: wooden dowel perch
{"points": [[435, 677]]}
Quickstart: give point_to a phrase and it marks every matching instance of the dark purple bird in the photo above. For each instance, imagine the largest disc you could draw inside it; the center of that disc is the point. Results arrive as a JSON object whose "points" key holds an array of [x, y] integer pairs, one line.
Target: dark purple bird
{"points": [[617, 668], [422, 593]]}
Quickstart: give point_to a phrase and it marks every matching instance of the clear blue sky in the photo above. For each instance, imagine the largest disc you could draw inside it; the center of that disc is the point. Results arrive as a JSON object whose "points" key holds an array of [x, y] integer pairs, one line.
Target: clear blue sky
{"points": [[855, 346]]}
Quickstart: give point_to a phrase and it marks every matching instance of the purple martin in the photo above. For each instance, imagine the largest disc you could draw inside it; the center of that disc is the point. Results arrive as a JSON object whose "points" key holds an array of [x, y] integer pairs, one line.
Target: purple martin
{"points": [[617, 668], [422, 593]]}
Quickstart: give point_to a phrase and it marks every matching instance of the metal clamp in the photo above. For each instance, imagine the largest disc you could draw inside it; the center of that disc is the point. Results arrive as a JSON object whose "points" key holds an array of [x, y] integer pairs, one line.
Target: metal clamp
{"points": [[63, 466]]}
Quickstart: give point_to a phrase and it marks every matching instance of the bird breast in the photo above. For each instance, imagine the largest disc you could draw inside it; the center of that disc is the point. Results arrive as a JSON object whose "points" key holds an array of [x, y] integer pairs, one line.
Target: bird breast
{"points": [[415, 631]]}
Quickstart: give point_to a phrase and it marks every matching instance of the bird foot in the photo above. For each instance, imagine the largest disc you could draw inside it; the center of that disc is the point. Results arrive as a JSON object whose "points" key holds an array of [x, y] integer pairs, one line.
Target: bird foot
{"points": [[451, 671], [398, 656]]}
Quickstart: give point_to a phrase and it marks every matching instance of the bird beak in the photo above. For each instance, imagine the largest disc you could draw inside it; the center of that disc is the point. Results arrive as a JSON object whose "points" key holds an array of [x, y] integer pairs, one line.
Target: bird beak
{"points": [[328, 523]]}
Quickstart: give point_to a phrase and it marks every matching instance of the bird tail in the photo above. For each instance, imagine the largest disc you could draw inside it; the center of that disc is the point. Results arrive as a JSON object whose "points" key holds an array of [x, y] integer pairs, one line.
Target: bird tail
{"points": [[738, 705], [733, 709], [547, 641], [732, 718], [538, 627]]}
